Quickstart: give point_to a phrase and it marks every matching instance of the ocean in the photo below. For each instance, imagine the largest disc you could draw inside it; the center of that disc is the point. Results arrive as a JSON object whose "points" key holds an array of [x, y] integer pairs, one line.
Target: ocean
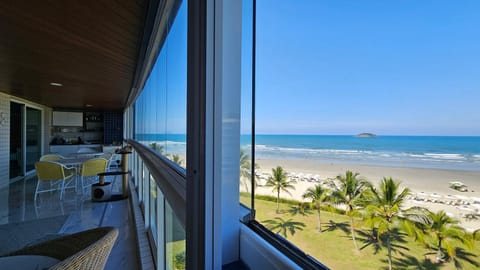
{"points": [[440, 152]]}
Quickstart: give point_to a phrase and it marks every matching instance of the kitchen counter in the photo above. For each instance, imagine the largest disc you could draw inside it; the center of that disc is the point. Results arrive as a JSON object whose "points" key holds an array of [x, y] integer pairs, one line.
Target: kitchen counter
{"points": [[70, 143], [73, 149]]}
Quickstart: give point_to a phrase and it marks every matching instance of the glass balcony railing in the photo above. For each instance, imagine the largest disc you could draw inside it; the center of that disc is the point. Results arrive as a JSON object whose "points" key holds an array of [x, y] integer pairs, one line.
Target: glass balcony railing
{"points": [[163, 214]]}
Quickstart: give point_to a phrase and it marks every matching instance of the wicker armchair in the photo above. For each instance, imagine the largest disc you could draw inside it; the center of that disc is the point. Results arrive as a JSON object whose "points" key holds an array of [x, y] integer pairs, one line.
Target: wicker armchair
{"points": [[86, 250]]}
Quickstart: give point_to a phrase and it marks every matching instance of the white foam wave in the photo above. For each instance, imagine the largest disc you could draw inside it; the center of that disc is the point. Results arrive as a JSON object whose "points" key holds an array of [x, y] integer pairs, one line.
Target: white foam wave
{"points": [[445, 156], [438, 160], [309, 150], [165, 142]]}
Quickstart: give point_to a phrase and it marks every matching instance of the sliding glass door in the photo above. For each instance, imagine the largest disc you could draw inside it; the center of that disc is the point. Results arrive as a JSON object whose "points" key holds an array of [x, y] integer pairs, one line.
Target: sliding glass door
{"points": [[25, 138], [16, 145], [33, 137]]}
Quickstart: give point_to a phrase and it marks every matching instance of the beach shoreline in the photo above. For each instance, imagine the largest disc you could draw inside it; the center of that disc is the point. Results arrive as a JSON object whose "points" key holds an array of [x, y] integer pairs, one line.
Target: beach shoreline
{"points": [[421, 182]]}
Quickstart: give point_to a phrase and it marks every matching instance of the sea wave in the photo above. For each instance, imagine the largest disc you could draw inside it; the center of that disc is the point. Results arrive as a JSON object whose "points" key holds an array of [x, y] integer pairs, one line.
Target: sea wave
{"points": [[428, 160], [308, 150], [166, 142], [445, 156]]}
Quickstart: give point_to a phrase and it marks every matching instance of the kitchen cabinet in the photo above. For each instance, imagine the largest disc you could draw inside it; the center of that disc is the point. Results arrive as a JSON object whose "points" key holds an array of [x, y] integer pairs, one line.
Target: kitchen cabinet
{"points": [[93, 127], [67, 119]]}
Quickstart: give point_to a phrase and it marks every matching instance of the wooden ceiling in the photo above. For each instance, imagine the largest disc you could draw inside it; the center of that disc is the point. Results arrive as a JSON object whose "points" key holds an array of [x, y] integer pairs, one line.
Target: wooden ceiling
{"points": [[90, 46]]}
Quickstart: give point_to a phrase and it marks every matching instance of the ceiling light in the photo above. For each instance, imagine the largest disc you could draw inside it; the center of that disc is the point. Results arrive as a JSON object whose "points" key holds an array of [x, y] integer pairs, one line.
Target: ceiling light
{"points": [[88, 105], [56, 84]]}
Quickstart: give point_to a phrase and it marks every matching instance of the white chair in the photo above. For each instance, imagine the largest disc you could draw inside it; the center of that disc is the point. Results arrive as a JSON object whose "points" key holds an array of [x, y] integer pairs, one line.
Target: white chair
{"points": [[113, 162]]}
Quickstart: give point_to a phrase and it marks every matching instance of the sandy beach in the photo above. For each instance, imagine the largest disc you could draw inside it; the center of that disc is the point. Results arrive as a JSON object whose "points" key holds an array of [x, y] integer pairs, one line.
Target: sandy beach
{"points": [[428, 185]]}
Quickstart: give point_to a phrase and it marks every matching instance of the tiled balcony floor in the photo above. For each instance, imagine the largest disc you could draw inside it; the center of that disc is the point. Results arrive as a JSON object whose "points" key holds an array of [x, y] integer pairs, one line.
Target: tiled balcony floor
{"points": [[22, 223]]}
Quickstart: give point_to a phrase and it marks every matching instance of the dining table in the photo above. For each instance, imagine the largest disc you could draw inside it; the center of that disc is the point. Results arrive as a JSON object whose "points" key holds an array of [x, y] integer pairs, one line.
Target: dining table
{"points": [[77, 161]]}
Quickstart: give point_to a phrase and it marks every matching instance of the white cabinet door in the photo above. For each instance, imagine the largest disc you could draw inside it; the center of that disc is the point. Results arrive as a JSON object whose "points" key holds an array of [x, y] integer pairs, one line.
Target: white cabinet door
{"points": [[76, 118], [59, 118], [69, 119]]}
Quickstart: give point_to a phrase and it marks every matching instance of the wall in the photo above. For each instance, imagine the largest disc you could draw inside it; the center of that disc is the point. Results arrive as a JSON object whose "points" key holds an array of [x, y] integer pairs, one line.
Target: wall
{"points": [[4, 141]]}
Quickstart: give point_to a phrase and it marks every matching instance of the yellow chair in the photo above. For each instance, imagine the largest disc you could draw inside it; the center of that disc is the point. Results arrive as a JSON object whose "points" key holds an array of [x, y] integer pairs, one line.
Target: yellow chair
{"points": [[113, 162], [51, 157], [54, 174], [90, 169]]}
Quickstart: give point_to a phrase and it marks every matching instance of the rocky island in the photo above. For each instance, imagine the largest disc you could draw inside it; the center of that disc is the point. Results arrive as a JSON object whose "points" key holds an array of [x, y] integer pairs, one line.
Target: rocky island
{"points": [[366, 135]]}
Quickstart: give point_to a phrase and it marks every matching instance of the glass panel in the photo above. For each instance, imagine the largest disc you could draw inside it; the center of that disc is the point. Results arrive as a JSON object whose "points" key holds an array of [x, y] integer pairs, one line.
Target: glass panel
{"points": [[176, 85], [146, 197], [174, 241], [135, 168], [246, 108], [153, 208], [33, 137], [16, 144], [385, 89], [141, 183], [160, 123], [162, 106]]}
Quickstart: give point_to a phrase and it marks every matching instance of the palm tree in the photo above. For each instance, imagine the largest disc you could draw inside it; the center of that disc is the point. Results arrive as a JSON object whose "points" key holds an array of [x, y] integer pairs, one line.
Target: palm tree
{"points": [[318, 195], [245, 168], [476, 235], [279, 182], [384, 210], [349, 191], [445, 232], [157, 147], [177, 159]]}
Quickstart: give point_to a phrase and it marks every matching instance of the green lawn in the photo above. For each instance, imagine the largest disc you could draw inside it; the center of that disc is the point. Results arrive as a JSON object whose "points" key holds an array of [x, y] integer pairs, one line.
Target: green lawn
{"points": [[334, 246]]}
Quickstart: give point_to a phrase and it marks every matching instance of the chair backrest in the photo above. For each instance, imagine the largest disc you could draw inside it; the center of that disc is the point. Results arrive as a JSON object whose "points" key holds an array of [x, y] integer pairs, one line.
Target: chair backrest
{"points": [[51, 157], [94, 166], [95, 245], [84, 250], [49, 170]]}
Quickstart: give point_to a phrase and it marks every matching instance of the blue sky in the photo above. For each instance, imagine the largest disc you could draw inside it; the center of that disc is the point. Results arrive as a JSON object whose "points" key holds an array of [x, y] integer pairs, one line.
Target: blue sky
{"points": [[389, 67], [164, 99]]}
